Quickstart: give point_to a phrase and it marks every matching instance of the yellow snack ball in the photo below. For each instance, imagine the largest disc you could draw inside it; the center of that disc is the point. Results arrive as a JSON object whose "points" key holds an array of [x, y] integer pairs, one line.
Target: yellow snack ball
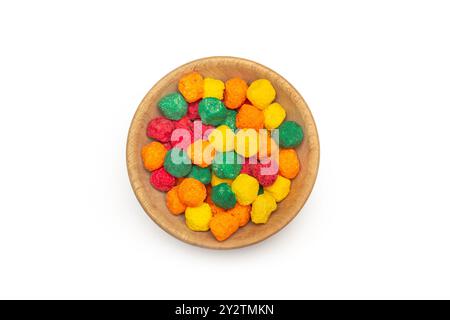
{"points": [[261, 93], [245, 188], [198, 218], [246, 142], [279, 189], [222, 138], [213, 88], [274, 115], [262, 208], [215, 180]]}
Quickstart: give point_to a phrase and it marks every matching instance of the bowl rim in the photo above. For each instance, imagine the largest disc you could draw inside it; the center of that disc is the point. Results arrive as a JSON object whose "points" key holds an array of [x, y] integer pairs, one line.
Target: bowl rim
{"points": [[131, 156]]}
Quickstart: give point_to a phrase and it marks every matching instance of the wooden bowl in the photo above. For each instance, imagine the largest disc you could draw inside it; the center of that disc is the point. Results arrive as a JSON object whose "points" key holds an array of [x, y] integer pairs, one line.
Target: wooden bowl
{"points": [[224, 68]]}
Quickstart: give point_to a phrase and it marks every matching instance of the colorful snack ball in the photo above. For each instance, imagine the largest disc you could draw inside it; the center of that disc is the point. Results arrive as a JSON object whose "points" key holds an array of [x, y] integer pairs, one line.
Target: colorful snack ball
{"points": [[192, 111], [153, 155], [246, 142], [249, 116], [223, 226], [201, 153], [245, 188], [267, 146], [173, 202], [215, 209], [230, 120], [198, 218], [222, 138], [184, 123], [212, 111], [266, 173], [261, 93], [242, 213], [223, 196], [289, 164], [215, 180], [191, 86], [290, 134], [162, 180], [191, 192], [235, 93], [262, 208], [177, 163], [201, 174], [279, 189], [213, 88], [182, 135], [160, 129], [274, 115], [227, 165], [247, 166], [173, 106]]}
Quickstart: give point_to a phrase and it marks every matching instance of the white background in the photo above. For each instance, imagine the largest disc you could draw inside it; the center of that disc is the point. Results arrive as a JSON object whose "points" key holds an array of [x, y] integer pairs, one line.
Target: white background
{"points": [[376, 75]]}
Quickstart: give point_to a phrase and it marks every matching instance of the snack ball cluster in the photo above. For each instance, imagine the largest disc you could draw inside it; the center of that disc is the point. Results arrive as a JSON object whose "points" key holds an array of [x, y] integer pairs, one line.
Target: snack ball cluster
{"points": [[223, 152]]}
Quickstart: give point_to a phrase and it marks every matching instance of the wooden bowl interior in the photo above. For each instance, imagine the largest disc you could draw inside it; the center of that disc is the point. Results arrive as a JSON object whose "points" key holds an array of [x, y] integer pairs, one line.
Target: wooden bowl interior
{"points": [[224, 68]]}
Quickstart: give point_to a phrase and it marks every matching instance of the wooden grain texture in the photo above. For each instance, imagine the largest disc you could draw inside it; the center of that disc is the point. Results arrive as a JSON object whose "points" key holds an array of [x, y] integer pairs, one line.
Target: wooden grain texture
{"points": [[224, 68]]}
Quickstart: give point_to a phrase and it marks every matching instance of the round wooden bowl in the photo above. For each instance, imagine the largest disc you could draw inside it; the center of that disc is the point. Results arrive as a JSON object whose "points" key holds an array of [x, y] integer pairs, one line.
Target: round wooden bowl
{"points": [[224, 68]]}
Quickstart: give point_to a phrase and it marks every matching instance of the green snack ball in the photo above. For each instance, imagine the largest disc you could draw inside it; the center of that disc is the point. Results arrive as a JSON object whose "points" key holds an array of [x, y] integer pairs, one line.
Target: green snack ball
{"points": [[230, 120], [260, 190], [212, 111], [290, 134], [173, 106], [227, 165], [201, 174], [223, 196], [177, 163]]}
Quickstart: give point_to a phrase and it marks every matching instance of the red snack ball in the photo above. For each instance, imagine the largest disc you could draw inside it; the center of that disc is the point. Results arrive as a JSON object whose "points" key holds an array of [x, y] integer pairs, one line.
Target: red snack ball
{"points": [[184, 123], [265, 173], [247, 167], [182, 134], [160, 129], [162, 180], [192, 112]]}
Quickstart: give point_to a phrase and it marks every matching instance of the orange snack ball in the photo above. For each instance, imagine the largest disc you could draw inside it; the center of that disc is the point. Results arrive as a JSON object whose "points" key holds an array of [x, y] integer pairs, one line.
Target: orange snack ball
{"points": [[153, 155], [191, 86], [173, 202], [223, 226], [235, 93], [242, 213], [249, 116], [191, 192], [201, 153], [289, 165]]}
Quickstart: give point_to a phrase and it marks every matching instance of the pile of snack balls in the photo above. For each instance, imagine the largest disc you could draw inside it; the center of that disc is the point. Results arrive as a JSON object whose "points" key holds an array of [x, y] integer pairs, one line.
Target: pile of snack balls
{"points": [[214, 153]]}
